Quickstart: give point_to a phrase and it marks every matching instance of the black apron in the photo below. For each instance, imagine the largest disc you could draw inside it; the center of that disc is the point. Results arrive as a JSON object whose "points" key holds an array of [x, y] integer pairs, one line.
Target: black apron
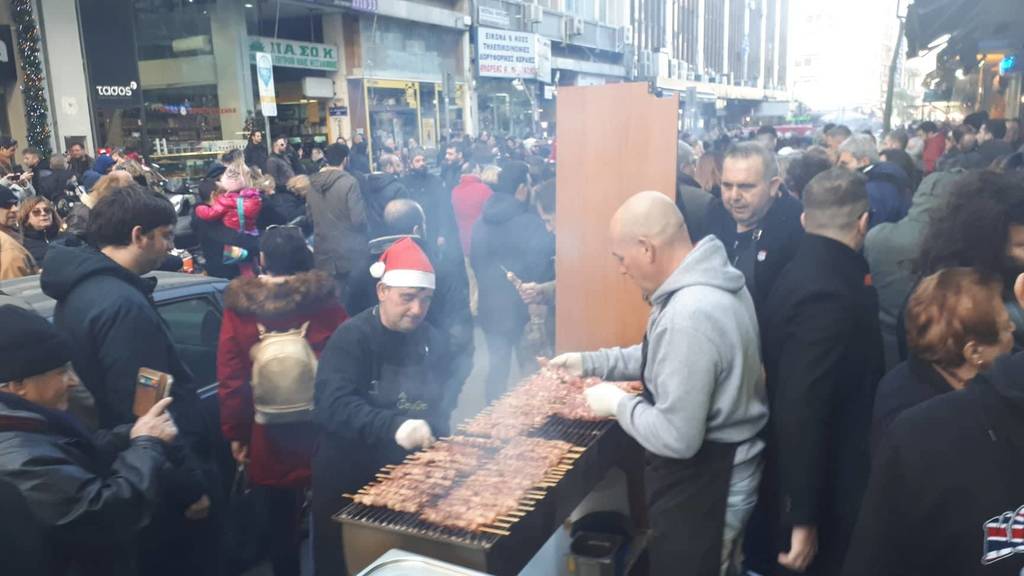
{"points": [[686, 501], [412, 387]]}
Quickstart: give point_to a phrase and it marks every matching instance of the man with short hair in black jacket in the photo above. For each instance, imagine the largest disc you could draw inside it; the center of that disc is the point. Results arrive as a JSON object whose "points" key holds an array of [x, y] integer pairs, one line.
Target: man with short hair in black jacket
{"points": [[945, 495], [82, 498], [758, 224], [105, 305]]}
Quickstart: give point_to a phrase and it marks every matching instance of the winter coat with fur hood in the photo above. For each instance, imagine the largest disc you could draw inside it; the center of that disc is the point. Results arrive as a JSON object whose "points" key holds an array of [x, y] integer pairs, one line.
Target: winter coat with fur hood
{"points": [[279, 454]]}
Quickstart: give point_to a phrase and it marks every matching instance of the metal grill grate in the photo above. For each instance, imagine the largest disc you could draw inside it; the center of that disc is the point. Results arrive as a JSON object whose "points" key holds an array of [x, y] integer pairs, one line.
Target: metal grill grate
{"points": [[581, 433]]}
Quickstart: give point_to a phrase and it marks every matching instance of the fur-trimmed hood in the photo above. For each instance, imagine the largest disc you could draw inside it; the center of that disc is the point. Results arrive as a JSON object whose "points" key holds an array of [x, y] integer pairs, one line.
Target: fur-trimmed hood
{"points": [[269, 297]]}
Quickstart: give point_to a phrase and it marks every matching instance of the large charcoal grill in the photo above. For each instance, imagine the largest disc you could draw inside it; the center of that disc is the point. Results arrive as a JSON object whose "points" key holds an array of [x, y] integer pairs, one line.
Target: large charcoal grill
{"points": [[371, 531]]}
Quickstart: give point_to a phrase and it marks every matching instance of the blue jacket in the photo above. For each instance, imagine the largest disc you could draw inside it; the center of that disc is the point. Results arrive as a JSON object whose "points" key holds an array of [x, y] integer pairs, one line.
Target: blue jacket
{"points": [[888, 192]]}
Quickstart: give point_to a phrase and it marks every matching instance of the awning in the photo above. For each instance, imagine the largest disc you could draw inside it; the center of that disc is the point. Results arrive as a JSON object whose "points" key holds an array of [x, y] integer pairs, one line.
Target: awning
{"points": [[992, 22]]}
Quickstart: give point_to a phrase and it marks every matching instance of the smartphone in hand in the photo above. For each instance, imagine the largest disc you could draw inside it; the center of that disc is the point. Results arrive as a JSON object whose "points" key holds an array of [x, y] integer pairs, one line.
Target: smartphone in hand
{"points": [[151, 386]]}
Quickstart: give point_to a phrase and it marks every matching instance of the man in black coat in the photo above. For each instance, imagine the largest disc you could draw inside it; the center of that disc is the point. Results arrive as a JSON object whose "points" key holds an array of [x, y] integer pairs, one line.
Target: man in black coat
{"points": [[823, 358], [383, 389], [436, 199], [945, 495], [759, 225], [106, 308], [509, 237], [256, 151], [72, 502]]}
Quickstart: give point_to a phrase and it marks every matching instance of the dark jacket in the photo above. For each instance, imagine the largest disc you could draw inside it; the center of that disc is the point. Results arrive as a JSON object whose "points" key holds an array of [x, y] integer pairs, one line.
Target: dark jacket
{"points": [[508, 237], [946, 488], [451, 174], [89, 500], [359, 161], [52, 184], [436, 199], [278, 454], [256, 155], [993, 150], [694, 203], [888, 192], [282, 207], [823, 359], [280, 167], [108, 313], [777, 239], [338, 212], [378, 189], [213, 237], [80, 166], [370, 380], [908, 384], [37, 242]]}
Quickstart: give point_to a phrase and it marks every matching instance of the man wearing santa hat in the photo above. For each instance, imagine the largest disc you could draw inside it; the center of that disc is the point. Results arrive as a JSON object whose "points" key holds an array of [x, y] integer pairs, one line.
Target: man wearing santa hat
{"points": [[384, 388]]}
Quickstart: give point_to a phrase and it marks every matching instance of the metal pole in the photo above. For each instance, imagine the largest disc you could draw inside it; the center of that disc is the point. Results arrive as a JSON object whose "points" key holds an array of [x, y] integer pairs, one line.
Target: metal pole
{"points": [[891, 88]]}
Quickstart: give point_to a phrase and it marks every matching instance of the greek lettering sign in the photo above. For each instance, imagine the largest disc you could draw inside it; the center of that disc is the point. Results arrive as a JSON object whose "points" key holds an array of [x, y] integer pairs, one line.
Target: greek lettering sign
{"points": [[493, 17], [506, 54], [265, 79], [295, 54]]}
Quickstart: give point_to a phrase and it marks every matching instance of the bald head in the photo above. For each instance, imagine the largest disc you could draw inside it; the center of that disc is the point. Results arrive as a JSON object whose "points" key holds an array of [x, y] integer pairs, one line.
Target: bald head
{"points": [[651, 216], [649, 239], [403, 216]]}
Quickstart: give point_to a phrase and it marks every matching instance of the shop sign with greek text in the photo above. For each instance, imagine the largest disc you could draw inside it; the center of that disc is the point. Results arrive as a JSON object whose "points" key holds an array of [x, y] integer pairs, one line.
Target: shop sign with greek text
{"points": [[295, 54], [507, 54]]}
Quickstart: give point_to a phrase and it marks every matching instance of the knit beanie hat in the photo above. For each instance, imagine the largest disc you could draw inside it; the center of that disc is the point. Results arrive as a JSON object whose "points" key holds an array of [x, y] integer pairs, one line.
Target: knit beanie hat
{"points": [[30, 345]]}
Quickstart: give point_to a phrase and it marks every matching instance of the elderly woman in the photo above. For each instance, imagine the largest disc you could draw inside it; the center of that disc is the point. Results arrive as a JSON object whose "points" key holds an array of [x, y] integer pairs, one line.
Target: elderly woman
{"points": [[956, 327], [39, 225]]}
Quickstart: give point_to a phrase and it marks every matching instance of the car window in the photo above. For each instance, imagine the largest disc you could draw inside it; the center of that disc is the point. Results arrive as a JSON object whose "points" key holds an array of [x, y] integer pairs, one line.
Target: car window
{"points": [[195, 326]]}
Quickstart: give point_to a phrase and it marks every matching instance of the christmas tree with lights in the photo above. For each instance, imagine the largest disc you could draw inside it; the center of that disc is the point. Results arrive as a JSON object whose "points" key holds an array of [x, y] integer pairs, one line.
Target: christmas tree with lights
{"points": [[36, 107]]}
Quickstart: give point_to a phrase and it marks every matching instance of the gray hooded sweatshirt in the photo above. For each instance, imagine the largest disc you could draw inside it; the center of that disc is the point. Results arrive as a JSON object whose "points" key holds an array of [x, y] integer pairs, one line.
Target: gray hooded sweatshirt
{"points": [[703, 363]]}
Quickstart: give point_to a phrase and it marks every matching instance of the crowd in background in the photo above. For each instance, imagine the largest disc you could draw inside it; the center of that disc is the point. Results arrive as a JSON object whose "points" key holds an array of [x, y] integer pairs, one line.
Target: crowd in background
{"points": [[884, 282]]}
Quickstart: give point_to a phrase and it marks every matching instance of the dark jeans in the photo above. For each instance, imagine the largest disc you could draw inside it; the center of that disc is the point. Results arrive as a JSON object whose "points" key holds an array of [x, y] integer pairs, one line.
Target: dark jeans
{"points": [[500, 347], [284, 508]]}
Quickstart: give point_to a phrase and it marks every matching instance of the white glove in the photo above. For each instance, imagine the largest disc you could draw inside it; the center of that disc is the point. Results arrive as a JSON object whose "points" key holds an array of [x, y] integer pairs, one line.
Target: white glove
{"points": [[571, 362], [414, 434], [604, 398]]}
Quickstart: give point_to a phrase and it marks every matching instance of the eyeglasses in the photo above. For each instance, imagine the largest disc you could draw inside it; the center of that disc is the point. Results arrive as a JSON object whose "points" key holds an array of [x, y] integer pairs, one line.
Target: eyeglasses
{"points": [[286, 226], [41, 211]]}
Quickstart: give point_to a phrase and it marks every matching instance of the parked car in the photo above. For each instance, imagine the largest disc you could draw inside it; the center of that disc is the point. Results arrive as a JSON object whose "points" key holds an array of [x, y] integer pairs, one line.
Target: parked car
{"points": [[191, 305]]}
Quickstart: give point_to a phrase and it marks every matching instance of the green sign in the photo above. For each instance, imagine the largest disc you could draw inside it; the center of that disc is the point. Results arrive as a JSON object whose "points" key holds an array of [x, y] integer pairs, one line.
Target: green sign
{"points": [[295, 54]]}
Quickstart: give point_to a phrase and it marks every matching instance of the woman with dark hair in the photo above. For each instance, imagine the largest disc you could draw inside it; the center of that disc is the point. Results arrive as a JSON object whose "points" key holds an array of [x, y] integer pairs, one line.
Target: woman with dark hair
{"points": [[40, 225], [802, 169], [982, 227], [956, 326], [290, 296], [509, 242]]}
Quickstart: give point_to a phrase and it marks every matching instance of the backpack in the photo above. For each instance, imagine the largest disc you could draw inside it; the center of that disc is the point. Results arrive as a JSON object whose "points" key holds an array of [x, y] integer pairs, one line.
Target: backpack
{"points": [[283, 374]]}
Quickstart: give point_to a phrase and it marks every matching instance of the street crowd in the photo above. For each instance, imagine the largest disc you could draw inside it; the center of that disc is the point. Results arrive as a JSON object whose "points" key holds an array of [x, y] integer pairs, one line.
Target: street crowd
{"points": [[829, 369]]}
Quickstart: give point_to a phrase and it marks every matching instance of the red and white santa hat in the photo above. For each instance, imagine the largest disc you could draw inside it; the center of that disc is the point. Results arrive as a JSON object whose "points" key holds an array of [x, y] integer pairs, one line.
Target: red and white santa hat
{"points": [[404, 265]]}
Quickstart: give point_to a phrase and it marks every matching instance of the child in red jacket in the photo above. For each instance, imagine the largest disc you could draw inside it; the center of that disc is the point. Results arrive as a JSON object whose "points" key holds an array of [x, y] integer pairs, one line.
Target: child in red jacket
{"points": [[237, 204]]}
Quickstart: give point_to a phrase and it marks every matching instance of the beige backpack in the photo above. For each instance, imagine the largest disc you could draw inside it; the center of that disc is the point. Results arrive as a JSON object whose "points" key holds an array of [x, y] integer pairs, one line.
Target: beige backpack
{"points": [[283, 375]]}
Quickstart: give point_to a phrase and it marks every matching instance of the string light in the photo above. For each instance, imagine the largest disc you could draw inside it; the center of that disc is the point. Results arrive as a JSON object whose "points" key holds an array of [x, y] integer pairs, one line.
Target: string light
{"points": [[36, 108]]}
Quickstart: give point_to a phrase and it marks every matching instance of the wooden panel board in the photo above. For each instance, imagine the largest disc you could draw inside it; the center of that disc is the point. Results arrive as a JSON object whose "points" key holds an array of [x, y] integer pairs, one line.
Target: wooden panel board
{"points": [[613, 141]]}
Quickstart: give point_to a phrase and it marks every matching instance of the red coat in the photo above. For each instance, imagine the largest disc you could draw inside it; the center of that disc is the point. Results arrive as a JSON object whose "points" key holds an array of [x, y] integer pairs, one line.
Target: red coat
{"points": [[225, 209], [279, 455], [934, 148], [468, 199]]}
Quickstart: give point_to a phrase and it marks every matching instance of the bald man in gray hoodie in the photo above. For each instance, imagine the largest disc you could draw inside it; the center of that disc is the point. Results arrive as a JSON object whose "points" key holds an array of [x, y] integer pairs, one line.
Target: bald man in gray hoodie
{"points": [[704, 398]]}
